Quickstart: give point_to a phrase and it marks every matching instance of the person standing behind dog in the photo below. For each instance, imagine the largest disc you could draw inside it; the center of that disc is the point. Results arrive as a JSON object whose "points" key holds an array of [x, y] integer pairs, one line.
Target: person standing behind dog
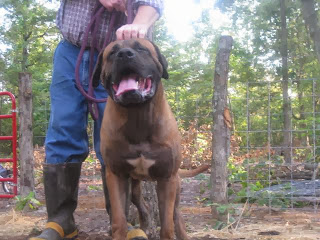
{"points": [[67, 139]]}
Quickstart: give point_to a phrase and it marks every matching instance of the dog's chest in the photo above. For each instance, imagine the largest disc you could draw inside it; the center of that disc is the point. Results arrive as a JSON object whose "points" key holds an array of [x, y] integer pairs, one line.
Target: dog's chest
{"points": [[141, 166], [147, 162]]}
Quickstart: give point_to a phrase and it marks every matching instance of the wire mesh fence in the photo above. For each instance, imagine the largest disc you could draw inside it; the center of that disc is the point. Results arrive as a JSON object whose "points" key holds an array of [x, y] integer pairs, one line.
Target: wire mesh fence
{"points": [[272, 170]]}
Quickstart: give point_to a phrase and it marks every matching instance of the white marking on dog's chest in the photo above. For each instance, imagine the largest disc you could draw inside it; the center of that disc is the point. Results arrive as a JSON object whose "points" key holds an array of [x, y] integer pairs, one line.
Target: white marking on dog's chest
{"points": [[141, 167]]}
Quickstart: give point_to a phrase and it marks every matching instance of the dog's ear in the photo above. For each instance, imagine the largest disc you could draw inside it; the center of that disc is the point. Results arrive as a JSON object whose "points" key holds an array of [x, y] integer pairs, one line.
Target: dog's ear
{"points": [[97, 71], [163, 62]]}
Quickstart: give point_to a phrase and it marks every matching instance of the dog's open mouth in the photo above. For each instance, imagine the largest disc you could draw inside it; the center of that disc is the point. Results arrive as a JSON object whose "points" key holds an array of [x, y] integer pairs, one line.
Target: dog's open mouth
{"points": [[133, 82]]}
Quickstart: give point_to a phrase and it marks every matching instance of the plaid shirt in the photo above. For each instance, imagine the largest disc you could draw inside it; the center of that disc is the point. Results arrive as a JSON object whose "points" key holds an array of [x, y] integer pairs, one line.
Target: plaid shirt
{"points": [[74, 15]]}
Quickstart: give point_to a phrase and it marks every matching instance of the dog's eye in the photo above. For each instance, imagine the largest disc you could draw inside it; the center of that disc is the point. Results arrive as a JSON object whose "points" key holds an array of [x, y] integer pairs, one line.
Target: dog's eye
{"points": [[141, 49], [113, 51], [111, 54]]}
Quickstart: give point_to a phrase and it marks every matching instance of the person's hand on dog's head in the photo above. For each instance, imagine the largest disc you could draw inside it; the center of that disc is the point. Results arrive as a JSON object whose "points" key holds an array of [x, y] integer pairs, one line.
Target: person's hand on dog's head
{"points": [[129, 31], [144, 19]]}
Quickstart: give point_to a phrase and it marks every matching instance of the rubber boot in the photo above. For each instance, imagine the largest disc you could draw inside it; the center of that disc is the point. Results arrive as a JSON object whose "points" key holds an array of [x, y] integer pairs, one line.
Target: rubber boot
{"points": [[61, 183]]}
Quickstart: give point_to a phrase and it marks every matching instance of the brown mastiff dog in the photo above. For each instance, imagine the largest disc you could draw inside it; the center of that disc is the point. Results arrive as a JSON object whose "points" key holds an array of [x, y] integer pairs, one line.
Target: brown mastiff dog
{"points": [[139, 134]]}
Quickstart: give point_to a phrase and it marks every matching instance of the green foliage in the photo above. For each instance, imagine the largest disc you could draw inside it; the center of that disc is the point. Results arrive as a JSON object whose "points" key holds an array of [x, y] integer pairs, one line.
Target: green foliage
{"points": [[219, 225], [30, 36], [28, 201], [273, 199], [191, 64], [226, 213], [90, 159], [94, 188], [255, 191], [255, 59], [202, 176]]}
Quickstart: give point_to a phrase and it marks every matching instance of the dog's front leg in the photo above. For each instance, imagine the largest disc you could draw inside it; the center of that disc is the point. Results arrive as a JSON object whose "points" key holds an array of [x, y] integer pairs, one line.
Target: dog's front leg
{"points": [[166, 191], [117, 191]]}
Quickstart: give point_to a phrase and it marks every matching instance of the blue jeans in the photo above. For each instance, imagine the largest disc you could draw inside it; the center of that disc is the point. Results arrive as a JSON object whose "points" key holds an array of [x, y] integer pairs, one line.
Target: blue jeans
{"points": [[67, 137]]}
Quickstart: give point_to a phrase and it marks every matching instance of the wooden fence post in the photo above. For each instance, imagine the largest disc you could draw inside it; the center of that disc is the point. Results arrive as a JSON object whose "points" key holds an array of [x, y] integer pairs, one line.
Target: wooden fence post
{"points": [[221, 127], [25, 134]]}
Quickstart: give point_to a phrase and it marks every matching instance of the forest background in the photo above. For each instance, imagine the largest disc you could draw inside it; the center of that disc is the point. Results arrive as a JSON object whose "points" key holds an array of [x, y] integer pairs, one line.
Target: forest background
{"points": [[268, 61]]}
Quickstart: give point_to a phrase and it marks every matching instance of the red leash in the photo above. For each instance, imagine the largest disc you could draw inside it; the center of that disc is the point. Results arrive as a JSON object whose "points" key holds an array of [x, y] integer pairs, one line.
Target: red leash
{"points": [[93, 28]]}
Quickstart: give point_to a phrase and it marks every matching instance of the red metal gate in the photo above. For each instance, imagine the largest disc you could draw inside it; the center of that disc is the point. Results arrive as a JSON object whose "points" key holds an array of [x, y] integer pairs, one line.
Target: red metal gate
{"points": [[13, 139]]}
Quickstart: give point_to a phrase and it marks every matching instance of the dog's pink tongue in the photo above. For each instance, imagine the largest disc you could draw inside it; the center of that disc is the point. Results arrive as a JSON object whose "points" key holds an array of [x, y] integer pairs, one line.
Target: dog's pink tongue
{"points": [[126, 85]]}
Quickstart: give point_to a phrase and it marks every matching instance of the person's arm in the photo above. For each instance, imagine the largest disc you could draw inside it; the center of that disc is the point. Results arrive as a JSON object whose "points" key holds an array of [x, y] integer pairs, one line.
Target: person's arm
{"points": [[144, 19]]}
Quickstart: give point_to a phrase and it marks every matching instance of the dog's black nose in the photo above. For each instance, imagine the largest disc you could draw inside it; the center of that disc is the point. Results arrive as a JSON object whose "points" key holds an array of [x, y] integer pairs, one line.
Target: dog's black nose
{"points": [[126, 53]]}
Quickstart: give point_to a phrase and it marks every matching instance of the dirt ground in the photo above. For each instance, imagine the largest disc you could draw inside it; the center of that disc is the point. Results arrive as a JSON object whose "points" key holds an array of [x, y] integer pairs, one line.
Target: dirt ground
{"points": [[255, 222]]}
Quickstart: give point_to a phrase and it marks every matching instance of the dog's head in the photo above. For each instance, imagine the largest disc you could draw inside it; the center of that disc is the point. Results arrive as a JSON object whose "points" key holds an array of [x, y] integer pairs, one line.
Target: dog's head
{"points": [[130, 70]]}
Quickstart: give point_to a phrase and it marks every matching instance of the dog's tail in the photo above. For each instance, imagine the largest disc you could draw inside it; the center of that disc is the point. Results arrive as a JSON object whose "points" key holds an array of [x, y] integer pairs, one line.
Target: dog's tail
{"points": [[185, 173]]}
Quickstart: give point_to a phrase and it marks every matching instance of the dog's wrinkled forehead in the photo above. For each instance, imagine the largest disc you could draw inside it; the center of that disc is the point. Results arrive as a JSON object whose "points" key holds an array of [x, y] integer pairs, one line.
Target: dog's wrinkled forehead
{"points": [[132, 43]]}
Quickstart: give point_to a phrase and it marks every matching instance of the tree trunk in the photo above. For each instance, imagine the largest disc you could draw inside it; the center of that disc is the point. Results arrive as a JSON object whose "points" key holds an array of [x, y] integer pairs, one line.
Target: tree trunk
{"points": [[285, 79], [25, 134], [150, 196], [311, 19], [221, 131]]}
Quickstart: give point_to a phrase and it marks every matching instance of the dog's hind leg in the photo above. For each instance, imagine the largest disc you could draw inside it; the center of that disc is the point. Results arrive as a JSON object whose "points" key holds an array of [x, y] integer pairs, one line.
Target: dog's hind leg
{"points": [[138, 201], [179, 224]]}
